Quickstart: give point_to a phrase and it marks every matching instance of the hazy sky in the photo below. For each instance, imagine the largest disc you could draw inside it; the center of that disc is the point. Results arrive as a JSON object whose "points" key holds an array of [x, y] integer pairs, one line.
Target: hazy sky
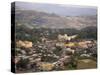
{"points": [[64, 10]]}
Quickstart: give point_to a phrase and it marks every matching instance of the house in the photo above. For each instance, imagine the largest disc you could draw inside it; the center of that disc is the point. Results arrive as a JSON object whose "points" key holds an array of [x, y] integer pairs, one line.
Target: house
{"points": [[65, 37], [25, 44]]}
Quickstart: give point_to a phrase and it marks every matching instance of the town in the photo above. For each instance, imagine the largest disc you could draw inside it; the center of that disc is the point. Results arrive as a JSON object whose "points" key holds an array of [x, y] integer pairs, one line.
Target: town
{"points": [[65, 52]]}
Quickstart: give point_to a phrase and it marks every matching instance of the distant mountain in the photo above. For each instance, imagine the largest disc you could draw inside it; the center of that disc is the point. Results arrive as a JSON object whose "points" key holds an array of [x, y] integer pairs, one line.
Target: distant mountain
{"points": [[59, 9], [31, 19]]}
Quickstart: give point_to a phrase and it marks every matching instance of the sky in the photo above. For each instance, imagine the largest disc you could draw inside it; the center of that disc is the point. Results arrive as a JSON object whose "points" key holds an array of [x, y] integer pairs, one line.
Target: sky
{"points": [[59, 9]]}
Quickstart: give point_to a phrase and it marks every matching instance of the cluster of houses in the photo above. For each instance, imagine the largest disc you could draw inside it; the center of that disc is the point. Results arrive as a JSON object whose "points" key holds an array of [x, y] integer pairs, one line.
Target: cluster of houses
{"points": [[36, 53]]}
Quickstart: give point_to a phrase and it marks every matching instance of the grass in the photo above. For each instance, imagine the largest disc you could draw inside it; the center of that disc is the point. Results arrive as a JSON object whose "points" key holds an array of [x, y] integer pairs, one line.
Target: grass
{"points": [[86, 64]]}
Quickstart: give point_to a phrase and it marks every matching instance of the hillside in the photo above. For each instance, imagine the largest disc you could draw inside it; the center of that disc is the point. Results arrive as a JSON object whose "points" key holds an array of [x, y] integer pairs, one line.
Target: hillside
{"points": [[38, 19]]}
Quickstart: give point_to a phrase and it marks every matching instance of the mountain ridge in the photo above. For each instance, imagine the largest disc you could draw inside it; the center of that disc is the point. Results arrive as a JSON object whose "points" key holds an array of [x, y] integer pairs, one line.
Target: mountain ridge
{"points": [[41, 19]]}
